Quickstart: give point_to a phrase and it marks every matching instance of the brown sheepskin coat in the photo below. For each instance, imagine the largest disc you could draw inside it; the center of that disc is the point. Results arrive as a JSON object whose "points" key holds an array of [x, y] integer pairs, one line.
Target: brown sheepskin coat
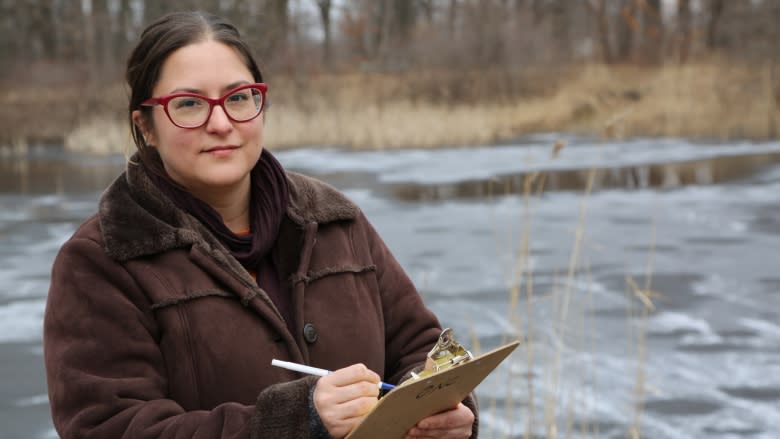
{"points": [[153, 330]]}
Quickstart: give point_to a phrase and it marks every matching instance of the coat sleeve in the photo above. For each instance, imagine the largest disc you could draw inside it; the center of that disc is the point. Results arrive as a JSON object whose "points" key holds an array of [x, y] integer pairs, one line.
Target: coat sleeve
{"points": [[106, 375], [411, 329]]}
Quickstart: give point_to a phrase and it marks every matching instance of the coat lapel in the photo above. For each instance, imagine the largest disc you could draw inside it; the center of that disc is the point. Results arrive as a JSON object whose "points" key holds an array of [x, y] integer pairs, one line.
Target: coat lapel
{"points": [[138, 220]]}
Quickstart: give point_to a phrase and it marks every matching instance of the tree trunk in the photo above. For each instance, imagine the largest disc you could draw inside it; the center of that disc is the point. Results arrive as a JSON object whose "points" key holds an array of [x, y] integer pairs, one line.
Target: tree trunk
{"points": [[716, 11], [45, 24], [71, 27], [37, 42], [653, 35], [7, 31], [404, 15], [125, 31], [427, 9], [626, 27], [537, 9], [281, 18], [452, 17], [684, 28], [20, 33], [90, 45], [602, 19], [379, 26], [559, 12], [324, 8], [101, 25]]}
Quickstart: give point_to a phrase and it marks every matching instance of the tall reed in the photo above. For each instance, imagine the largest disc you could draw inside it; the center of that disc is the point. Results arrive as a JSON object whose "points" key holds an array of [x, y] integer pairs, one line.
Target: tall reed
{"points": [[565, 411]]}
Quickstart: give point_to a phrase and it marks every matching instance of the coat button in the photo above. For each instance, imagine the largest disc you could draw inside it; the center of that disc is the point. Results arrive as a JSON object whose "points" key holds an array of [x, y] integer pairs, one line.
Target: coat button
{"points": [[310, 333]]}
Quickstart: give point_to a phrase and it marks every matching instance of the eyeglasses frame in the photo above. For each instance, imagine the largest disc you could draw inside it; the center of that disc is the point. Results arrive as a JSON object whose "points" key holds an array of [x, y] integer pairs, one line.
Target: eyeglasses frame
{"points": [[163, 101]]}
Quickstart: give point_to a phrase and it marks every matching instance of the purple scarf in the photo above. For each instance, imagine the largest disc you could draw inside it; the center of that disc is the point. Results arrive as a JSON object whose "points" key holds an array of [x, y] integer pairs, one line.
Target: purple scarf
{"points": [[267, 208]]}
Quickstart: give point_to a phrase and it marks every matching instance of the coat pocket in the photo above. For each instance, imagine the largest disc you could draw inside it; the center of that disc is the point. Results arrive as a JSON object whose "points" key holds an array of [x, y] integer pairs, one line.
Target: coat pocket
{"points": [[189, 296]]}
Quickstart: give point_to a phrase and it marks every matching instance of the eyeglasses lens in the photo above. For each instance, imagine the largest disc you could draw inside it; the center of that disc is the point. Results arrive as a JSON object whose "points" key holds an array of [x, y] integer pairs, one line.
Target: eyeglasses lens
{"points": [[244, 104], [188, 111], [191, 111]]}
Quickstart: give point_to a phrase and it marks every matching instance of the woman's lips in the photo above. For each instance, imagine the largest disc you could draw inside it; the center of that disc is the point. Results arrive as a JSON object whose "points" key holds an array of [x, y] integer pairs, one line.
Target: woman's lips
{"points": [[220, 151]]}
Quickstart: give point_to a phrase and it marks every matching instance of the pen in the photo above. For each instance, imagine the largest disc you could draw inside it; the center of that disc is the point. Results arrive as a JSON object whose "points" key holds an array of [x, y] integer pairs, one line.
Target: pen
{"points": [[315, 371]]}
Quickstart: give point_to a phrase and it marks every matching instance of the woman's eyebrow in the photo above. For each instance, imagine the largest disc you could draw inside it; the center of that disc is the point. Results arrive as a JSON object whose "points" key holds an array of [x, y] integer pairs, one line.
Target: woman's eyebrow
{"points": [[185, 90], [228, 87], [233, 85]]}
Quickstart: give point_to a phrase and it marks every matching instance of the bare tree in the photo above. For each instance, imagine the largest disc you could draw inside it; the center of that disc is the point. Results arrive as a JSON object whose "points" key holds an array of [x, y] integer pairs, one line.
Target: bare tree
{"points": [[653, 35], [404, 17], [427, 7], [715, 11], [378, 24], [599, 9], [561, 27], [44, 24], [7, 46], [452, 16], [537, 8], [684, 28], [626, 26], [123, 29], [324, 7], [280, 20], [94, 35], [101, 26], [354, 29]]}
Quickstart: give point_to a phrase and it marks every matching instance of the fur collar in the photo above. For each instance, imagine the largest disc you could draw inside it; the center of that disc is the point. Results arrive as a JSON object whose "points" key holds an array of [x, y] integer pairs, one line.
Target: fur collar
{"points": [[138, 220]]}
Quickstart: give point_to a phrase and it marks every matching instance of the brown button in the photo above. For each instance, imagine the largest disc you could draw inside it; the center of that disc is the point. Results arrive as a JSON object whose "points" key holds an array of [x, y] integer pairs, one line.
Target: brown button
{"points": [[310, 333]]}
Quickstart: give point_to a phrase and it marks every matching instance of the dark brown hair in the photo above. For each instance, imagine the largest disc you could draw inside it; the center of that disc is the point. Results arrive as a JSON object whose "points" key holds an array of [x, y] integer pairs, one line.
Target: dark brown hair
{"points": [[169, 33]]}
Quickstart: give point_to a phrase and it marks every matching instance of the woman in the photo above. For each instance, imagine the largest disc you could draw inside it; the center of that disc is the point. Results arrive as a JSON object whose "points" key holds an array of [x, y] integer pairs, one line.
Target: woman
{"points": [[206, 260]]}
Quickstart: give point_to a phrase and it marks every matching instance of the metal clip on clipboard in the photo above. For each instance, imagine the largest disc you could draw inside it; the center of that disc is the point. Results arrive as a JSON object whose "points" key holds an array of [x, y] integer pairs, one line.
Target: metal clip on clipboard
{"points": [[447, 352], [458, 374]]}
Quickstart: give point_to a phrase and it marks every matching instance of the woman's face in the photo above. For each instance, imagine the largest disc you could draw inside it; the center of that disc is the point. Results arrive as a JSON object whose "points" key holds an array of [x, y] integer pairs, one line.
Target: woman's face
{"points": [[220, 154]]}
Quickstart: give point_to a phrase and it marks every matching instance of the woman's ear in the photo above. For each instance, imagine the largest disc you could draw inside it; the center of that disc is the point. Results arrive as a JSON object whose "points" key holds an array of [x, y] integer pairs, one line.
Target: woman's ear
{"points": [[140, 121]]}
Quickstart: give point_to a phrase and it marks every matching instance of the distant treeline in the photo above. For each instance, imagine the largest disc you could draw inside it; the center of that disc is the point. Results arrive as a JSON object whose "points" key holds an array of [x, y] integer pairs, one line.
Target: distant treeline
{"points": [[70, 40]]}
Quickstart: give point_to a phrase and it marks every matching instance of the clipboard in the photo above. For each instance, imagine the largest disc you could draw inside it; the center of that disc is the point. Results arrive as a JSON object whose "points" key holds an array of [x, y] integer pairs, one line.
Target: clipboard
{"points": [[403, 407]]}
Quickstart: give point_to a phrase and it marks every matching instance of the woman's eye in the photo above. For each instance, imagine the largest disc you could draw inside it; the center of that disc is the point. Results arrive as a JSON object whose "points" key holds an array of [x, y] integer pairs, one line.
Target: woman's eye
{"points": [[188, 103], [238, 97]]}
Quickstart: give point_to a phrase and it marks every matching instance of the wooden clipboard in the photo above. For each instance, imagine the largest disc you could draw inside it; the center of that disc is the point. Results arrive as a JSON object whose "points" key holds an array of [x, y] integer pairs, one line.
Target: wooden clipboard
{"points": [[403, 407]]}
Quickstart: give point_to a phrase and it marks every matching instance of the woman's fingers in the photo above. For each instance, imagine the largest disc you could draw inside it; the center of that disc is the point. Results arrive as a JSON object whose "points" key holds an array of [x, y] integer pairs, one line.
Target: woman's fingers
{"points": [[343, 397], [452, 424], [352, 374]]}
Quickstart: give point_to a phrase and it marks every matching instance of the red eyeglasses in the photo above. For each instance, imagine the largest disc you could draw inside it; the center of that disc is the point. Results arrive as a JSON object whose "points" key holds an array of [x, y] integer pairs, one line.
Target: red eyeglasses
{"points": [[190, 110]]}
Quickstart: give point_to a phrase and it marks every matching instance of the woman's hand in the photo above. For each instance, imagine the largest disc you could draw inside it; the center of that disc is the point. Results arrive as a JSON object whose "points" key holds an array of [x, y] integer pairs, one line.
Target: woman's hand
{"points": [[344, 397], [452, 424]]}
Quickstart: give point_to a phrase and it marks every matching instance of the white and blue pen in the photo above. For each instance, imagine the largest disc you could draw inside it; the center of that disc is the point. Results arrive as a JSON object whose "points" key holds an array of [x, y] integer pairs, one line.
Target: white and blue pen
{"points": [[315, 371]]}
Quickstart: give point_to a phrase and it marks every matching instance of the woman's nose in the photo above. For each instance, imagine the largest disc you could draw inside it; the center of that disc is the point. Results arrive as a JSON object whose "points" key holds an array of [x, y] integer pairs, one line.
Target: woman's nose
{"points": [[218, 120]]}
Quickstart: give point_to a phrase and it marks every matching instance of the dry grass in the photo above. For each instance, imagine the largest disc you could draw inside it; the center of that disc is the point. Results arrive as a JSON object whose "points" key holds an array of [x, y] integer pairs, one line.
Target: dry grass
{"points": [[713, 99], [425, 109], [395, 125], [710, 99], [550, 407]]}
